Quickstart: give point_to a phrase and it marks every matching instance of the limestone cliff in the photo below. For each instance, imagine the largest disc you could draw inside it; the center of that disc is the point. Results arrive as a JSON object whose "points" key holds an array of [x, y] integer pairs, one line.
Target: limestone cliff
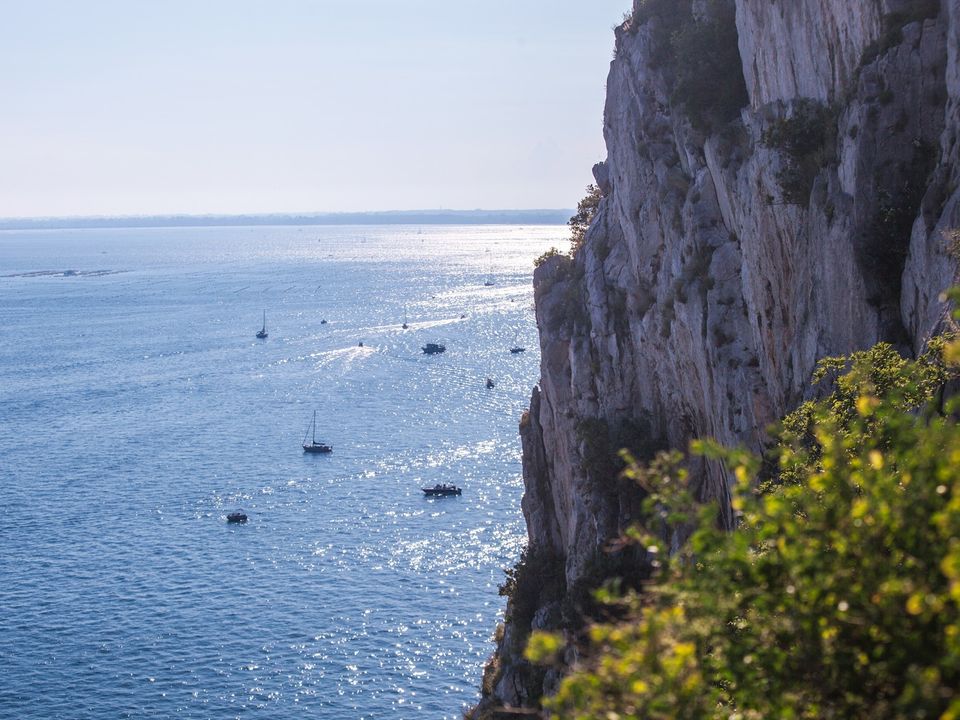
{"points": [[727, 257]]}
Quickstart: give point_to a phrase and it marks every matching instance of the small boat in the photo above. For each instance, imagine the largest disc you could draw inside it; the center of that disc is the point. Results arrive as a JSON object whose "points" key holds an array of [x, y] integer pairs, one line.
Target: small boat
{"points": [[323, 322], [313, 446], [434, 349], [517, 348], [262, 333], [490, 384], [360, 344], [405, 325], [237, 516], [443, 490]]}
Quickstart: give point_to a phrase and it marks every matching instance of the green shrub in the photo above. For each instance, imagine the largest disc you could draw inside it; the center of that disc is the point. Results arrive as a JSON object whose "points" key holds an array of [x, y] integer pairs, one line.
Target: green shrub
{"points": [[669, 16], [893, 24], [552, 252], [807, 130], [570, 310], [586, 211], [709, 86], [538, 574], [808, 139], [603, 442], [704, 56], [838, 596], [884, 253]]}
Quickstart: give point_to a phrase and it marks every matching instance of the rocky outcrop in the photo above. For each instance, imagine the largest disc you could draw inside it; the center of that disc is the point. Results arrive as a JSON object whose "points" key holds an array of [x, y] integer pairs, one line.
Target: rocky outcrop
{"points": [[723, 263]]}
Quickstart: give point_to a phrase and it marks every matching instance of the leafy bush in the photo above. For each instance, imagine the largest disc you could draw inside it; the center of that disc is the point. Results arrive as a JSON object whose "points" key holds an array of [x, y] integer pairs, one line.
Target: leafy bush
{"points": [[893, 24], [704, 55], [709, 85], [884, 253], [586, 211], [839, 595], [672, 13], [538, 573], [669, 16], [552, 252], [807, 137], [570, 310], [806, 131]]}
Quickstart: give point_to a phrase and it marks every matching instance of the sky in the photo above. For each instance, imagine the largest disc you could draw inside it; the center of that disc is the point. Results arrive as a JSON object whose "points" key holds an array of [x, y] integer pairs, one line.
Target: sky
{"points": [[132, 107]]}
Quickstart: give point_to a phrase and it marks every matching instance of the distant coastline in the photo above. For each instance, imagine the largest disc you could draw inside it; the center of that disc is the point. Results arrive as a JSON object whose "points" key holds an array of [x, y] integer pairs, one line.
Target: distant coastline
{"points": [[402, 217]]}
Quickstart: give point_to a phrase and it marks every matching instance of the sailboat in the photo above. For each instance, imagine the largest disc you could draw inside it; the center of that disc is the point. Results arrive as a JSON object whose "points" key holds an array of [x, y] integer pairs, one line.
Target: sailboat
{"points": [[404, 326], [314, 446], [489, 282], [262, 333], [516, 349]]}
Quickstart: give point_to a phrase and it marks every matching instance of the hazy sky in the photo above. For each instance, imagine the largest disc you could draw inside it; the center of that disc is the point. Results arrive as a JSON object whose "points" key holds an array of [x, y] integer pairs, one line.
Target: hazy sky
{"points": [[195, 106]]}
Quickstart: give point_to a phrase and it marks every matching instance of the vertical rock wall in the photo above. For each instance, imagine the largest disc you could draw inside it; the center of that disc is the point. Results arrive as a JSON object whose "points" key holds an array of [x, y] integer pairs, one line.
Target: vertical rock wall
{"points": [[706, 292]]}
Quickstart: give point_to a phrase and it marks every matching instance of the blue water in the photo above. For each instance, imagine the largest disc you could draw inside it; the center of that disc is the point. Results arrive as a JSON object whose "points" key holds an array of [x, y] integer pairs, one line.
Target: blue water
{"points": [[137, 409]]}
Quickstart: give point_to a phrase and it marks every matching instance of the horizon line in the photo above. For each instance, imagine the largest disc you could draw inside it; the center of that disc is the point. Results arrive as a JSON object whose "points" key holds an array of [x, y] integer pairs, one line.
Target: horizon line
{"points": [[273, 213], [536, 216]]}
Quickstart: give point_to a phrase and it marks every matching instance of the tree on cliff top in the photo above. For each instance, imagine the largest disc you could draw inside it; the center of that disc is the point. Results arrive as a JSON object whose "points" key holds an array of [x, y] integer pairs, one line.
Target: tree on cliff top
{"points": [[838, 597], [580, 223]]}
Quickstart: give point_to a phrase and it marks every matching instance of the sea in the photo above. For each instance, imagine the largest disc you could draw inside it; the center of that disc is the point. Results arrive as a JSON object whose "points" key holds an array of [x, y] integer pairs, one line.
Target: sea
{"points": [[137, 409]]}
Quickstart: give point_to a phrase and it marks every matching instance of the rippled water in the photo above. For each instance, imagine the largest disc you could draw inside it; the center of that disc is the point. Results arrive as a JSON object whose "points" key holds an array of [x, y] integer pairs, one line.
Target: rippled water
{"points": [[137, 409]]}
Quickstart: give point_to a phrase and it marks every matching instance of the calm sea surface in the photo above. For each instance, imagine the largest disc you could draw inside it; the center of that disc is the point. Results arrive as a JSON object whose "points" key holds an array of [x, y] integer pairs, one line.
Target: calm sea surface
{"points": [[137, 409]]}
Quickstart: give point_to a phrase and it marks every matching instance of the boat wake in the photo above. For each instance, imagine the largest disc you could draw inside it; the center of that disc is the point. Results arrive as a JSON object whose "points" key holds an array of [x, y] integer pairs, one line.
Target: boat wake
{"points": [[65, 273]]}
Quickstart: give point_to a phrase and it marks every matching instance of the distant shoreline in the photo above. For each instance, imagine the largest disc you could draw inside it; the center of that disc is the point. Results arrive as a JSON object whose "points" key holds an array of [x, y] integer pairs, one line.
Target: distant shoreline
{"points": [[413, 217]]}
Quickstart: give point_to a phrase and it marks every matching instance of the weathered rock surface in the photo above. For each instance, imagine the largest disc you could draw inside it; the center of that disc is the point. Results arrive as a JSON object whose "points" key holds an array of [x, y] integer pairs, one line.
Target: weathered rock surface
{"points": [[705, 293]]}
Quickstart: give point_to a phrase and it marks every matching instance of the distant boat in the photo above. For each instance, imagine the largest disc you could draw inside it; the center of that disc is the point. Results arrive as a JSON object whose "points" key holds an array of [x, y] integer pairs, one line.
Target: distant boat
{"points": [[443, 490], [262, 333], [405, 326], [314, 446], [490, 384], [237, 516], [434, 349], [517, 348], [323, 322]]}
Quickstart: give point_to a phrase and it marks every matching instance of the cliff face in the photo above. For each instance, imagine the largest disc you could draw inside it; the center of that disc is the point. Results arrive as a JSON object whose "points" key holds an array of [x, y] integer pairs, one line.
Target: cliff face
{"points": [[723, 263]]}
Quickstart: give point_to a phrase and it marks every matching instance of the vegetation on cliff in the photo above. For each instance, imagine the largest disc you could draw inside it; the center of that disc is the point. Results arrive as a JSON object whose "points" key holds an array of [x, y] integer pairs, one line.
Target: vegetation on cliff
{"points": [[586, 211], [701, 55], [839, 594]]}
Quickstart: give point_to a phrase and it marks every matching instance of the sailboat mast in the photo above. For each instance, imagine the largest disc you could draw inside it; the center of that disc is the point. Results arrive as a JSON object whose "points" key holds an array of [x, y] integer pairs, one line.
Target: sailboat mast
{"points": [[314, 427]]}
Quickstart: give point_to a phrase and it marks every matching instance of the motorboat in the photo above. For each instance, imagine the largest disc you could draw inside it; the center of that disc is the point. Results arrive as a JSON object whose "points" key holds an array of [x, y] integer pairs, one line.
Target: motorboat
{"points": [[442, 490]]}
